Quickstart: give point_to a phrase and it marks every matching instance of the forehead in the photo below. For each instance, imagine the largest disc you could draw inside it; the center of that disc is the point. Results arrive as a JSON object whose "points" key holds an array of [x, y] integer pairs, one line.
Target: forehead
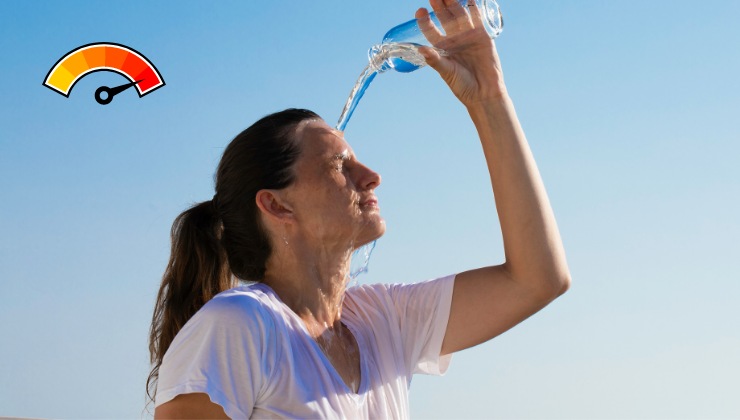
{"points": [[318, 140]]}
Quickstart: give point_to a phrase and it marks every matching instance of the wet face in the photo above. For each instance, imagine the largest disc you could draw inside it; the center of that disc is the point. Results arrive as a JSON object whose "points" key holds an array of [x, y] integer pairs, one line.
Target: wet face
{"points": [[333, 197]]}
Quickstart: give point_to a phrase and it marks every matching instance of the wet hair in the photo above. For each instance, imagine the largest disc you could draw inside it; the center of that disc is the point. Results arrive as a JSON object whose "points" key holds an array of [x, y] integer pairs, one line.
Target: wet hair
{"points": [[218, 242]]}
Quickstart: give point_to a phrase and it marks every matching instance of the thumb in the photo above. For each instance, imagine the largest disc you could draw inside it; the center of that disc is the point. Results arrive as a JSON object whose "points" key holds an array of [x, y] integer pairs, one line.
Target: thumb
{"points": [[441, 64]]}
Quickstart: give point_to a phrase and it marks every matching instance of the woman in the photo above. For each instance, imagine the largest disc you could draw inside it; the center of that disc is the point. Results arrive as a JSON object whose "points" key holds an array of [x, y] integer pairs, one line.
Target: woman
{"points": [[292, 202]]}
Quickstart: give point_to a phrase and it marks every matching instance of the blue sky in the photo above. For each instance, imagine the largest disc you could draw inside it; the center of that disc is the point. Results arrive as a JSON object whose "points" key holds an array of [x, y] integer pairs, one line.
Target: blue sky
{"points": [[630, 108]]}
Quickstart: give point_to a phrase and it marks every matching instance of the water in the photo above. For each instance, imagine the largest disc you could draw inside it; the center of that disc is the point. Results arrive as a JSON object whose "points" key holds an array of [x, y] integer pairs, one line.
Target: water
{"points": [[367, 76], [382, 57], [359, 262], [399, 56], [399, 51]]}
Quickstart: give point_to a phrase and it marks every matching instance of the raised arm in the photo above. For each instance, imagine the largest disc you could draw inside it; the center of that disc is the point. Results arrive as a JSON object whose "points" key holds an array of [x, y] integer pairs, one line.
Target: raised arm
{"points": [[490, 300]]}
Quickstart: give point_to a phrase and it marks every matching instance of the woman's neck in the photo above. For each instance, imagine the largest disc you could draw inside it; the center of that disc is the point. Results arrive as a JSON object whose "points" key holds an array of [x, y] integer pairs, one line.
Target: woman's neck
{"points": [[311, 281]]}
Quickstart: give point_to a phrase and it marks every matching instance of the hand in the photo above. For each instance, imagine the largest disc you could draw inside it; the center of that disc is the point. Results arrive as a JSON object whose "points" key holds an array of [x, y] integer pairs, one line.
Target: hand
{"points": [[471, 67]]}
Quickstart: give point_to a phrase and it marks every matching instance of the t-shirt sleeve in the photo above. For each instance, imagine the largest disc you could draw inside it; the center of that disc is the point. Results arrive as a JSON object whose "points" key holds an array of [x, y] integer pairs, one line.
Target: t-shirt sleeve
{"points": [[221, 351], [423, 310]]}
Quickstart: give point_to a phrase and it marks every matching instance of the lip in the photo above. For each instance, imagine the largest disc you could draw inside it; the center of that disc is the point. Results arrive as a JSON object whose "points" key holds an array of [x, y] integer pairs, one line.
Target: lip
{"points": [[369, 202]]}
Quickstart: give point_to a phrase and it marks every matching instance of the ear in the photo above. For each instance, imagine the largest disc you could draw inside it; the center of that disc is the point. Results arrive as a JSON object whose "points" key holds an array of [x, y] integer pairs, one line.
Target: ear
{"points": [[273, 205]]}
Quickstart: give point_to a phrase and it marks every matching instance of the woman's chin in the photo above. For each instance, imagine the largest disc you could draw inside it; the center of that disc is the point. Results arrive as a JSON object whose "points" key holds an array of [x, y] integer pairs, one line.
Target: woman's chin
{"points": [[373, 231]]}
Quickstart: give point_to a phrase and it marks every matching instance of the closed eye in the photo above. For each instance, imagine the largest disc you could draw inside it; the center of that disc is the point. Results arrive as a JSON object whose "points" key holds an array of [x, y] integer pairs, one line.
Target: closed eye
{"points": [[339, 159]]}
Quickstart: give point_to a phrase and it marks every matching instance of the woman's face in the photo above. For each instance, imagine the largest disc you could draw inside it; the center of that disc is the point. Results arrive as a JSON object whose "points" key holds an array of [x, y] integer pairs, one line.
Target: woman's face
{"points": [[333, 196]]}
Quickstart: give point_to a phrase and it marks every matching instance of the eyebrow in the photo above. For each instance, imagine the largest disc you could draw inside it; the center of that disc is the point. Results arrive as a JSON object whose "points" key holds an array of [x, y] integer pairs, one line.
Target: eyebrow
{"points": [[341, 156]]}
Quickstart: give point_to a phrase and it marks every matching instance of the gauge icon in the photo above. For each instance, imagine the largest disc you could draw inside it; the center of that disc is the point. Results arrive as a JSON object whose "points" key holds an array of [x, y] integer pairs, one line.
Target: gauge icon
{"points": [[104, 56]]}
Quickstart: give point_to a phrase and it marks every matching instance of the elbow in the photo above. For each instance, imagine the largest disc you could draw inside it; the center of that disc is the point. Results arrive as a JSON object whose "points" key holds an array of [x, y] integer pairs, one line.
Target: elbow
{"points": [[547, 284], [558, 284], [563, 284], [550, 288], [560, 279]]}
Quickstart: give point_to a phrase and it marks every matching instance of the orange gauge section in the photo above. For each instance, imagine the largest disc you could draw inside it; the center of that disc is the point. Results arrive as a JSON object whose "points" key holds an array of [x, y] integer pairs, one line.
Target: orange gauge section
{"points": [[103, 56]]}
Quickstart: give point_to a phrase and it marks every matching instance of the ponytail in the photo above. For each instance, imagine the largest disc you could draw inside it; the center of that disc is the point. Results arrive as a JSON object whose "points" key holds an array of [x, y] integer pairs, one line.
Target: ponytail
{"points": [[196, 272]]}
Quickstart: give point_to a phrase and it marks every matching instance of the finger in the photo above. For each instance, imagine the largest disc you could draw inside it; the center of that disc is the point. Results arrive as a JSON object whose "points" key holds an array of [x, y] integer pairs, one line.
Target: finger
{"points": [[459, 15], [430, 31], [444, 16], [475, 16]]}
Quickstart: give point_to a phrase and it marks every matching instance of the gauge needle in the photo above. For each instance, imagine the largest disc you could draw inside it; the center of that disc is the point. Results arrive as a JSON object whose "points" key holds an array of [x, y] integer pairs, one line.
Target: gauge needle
{"points": [[111, 92]]}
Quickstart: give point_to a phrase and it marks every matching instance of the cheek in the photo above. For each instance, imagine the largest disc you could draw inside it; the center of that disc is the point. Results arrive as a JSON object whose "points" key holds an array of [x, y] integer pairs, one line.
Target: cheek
{"points": [[329, 202], [339, 192], [343, 205]]}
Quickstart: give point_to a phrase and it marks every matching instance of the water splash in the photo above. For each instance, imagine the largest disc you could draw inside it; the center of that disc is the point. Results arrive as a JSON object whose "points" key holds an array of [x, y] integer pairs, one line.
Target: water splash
{"points": [[360, 261], [401, 56]]}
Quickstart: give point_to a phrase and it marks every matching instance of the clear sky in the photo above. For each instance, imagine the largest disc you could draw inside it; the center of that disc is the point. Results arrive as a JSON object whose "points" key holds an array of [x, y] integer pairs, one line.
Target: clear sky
{"points": [[631, 109]]}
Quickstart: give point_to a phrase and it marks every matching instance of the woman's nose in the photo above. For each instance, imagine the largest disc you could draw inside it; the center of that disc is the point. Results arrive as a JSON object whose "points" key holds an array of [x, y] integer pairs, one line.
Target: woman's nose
{"points": [[370, 179]]}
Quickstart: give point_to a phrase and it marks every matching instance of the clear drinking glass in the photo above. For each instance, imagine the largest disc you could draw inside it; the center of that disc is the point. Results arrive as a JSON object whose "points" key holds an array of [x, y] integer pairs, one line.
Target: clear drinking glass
{"points": [[398, 50]]}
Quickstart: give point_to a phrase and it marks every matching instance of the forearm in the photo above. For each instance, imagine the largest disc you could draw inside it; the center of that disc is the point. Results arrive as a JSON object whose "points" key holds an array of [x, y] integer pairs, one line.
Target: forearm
{"points": [[532, 245]]}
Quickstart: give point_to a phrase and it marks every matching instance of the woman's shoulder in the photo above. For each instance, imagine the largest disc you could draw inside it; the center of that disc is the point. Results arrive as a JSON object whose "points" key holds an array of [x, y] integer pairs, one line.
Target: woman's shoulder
{"points": [[393, 291], [245, 304], [369, 293]]}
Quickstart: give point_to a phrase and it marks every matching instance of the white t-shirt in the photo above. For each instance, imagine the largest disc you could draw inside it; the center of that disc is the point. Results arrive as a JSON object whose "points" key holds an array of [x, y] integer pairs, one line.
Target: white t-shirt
{"points": [[254, 357]]}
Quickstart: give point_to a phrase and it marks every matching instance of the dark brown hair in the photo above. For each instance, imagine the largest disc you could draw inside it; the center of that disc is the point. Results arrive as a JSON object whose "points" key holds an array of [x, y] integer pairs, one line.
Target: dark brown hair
{"points": [[218, 242]]}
